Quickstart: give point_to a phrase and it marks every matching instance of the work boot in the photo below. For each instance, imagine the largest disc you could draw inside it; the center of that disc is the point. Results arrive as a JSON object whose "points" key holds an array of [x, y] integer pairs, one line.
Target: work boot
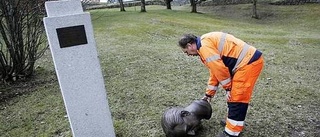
{"points": [[224, 134], [223, 122]]}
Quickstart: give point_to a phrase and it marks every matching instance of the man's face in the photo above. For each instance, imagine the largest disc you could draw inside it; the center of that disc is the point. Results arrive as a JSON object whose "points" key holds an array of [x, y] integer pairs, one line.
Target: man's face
{"points": [[190, 50]]}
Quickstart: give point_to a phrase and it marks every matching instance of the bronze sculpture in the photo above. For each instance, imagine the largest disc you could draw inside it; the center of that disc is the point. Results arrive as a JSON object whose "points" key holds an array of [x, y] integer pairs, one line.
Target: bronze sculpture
{"points": [[181, 122]]}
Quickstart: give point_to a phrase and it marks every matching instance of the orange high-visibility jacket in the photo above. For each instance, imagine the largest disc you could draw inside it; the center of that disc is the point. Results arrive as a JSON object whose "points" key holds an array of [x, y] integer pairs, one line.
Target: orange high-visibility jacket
{"points": [[223, 54]]}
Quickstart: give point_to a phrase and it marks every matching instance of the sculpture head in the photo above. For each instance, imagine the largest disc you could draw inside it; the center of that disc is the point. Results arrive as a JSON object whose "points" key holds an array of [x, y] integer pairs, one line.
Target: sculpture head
{"points": [[201, 108], [181, 122]]}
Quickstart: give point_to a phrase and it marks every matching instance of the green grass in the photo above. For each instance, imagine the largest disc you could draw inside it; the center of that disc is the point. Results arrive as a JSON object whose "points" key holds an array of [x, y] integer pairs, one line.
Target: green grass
{"points": [[145, 72]]}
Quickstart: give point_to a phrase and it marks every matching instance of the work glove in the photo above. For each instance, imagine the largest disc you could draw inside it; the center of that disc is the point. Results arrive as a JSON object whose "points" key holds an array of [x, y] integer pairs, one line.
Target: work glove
{"points": [[207, 98]]}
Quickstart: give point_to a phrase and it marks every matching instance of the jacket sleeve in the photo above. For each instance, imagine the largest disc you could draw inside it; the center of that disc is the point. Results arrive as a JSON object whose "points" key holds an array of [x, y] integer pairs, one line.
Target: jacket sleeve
{"points": [[213, 84], [220, 72]]}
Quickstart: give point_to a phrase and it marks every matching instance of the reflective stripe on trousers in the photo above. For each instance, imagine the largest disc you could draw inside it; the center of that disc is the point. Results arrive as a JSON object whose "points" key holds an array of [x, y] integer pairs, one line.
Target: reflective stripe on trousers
{"points": [[236, 117]]}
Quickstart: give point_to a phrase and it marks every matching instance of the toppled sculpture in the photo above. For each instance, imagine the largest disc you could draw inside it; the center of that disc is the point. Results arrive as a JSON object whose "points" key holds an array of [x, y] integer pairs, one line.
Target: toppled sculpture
{"points": [[181, 122]]}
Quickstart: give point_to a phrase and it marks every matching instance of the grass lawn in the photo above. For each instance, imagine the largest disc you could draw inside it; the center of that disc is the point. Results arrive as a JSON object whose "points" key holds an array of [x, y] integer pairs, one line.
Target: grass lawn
{"points": [[145, 72]]}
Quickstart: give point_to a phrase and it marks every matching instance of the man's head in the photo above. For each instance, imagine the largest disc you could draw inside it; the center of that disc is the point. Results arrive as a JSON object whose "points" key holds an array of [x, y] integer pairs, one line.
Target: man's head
{"points": [[188, 44]]}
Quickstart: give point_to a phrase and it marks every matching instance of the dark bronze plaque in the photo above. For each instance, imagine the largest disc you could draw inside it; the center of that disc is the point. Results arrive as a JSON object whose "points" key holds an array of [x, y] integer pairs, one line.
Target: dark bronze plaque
{"points": [[72, 36]]}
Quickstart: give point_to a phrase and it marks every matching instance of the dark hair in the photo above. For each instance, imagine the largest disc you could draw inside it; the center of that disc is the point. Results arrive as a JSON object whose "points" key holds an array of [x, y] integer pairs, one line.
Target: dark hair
{"points": [[185, 39]]}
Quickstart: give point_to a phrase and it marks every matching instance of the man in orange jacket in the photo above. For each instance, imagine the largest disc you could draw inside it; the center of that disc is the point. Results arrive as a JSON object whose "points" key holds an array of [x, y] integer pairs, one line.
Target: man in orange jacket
{"points": [[232, 63]]}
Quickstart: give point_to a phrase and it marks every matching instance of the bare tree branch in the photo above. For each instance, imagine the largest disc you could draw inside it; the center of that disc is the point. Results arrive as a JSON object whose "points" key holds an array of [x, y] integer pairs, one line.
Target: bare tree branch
{"points": [[21, 37]]}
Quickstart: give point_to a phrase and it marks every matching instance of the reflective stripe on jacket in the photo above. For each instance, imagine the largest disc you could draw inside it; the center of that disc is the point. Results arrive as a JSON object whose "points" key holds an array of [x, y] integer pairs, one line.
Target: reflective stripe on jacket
{"points": [[223, 53]]}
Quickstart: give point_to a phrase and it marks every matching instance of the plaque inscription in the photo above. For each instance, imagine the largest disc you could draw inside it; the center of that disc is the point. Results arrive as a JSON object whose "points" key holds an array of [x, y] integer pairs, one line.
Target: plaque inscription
{"points": [[72, 36]]}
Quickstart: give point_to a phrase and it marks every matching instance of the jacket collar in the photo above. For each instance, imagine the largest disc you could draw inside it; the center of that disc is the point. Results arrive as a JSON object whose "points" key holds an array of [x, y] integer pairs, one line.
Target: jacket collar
{"points": [[198, 43]]}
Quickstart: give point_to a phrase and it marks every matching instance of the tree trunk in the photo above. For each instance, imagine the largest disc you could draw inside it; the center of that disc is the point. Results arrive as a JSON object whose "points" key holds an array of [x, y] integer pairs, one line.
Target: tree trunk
{"points": [[168, 3], [194, 6], [121, 5], [143, 6], [254, 10]]}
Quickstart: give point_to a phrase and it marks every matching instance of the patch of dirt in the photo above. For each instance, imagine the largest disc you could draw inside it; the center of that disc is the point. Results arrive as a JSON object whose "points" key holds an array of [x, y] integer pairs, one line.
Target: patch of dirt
{"points": [[25, 86]]}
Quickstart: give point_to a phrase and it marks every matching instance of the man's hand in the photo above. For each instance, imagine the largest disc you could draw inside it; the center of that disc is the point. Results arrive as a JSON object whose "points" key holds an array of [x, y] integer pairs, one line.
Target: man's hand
{"points": [[228, 95], [206, 98]]}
